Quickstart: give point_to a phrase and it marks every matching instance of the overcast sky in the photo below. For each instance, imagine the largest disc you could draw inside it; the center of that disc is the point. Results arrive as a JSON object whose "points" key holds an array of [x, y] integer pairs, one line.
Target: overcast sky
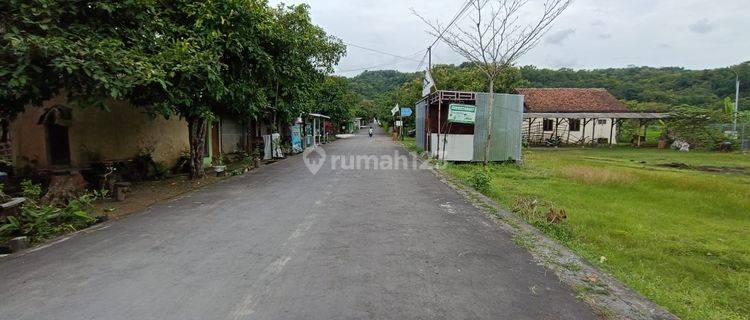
{"points": [[695, 34]]}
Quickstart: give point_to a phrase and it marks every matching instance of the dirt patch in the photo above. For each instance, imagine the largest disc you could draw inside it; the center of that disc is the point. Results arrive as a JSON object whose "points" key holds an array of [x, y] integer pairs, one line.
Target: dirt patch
{"points": [[143, 195], [714, 169]]}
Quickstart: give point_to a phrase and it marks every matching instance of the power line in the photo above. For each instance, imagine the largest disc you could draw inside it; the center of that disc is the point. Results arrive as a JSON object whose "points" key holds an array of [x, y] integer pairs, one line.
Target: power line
{"points": [[383, 65], [383, 52], [455, 19]]}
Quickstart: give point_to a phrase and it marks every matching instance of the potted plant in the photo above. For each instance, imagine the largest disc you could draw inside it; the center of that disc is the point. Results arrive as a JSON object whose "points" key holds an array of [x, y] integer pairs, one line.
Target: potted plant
{"points": [[9, 206], [256, 158], [219, 165]]}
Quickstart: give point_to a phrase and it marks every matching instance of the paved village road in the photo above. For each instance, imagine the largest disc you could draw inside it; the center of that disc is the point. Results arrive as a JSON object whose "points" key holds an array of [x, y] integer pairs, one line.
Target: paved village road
{"points": [[281, 243]]}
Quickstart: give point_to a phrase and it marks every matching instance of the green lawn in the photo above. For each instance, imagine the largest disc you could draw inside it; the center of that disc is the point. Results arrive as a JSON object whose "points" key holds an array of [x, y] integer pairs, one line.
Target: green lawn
{"points": [[680, 236]]}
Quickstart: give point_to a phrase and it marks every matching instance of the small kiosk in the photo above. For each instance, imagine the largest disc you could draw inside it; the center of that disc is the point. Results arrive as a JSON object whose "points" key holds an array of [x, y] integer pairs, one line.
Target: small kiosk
{"points": [[453, 126]]}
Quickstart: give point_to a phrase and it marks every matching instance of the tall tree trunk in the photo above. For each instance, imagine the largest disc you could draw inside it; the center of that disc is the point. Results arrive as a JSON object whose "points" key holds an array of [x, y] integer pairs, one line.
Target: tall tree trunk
{"points": [[197, 127], [490, 109]]}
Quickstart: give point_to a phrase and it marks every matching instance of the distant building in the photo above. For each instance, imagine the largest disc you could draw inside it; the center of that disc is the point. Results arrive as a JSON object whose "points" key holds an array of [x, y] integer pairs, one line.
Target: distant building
{"points": [[577, 116]]}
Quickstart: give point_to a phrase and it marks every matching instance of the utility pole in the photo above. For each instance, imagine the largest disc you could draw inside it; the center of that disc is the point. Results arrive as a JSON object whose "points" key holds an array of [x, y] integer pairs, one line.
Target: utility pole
{"points": [[429, 58], [736, 100], [401, 129]]}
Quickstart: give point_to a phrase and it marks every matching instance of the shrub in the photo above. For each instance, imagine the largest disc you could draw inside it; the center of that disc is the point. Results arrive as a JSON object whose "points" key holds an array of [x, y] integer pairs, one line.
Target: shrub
{"points": [[31, 191], [41, 221], [480, 180]]}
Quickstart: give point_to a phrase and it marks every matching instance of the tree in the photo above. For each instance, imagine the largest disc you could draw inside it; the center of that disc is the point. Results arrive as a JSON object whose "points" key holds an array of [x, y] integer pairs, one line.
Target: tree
{"points": [[497, 38], [302, 54], [82, 49]]}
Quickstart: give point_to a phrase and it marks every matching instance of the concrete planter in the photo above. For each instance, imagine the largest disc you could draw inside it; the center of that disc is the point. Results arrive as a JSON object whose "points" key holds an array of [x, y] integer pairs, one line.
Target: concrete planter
{"points": [[220, 170]]}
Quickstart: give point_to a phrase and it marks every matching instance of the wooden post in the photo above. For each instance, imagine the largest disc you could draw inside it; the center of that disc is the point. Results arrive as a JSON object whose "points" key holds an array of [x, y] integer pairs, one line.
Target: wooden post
{"points": [[440, 110], [640, 124], [531, 121], [583, 133], [593, 133], [611, 130]]}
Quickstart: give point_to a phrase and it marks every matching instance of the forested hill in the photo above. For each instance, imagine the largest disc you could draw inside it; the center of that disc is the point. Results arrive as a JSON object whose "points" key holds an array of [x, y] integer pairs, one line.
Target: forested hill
{"points": [[371, 84], [672, 86]]}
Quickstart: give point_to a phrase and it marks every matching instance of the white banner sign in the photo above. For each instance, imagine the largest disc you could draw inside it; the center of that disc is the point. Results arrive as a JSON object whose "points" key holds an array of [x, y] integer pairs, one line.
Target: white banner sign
{"points": [[427, 83]]}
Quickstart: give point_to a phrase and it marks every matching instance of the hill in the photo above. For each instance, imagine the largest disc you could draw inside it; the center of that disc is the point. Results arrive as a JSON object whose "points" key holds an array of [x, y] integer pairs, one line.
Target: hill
{"points": [[671, 86], [371, 84]]}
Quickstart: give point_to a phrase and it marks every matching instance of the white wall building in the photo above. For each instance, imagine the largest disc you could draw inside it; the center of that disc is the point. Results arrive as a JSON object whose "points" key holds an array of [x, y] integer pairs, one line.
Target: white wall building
{"points": [[577, 116]]}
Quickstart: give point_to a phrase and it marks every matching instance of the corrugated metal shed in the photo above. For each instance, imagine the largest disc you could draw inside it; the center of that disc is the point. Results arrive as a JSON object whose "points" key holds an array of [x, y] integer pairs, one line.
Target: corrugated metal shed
{"points": [[506, 128], [420, 110], [432, 111]]}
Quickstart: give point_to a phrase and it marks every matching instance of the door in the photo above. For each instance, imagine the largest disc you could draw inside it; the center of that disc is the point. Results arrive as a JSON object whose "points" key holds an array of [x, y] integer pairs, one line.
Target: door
{"points": [[58, 145]]}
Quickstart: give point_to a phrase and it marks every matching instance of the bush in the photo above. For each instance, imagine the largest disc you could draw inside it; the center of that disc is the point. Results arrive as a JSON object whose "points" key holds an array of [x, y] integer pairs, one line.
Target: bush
{"points": [[480, 180], [31, 191], [41, 221]]}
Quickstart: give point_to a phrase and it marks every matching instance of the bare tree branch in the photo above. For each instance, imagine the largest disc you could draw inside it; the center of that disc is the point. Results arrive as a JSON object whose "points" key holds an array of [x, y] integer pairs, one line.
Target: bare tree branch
{"points": [[497, 39]]}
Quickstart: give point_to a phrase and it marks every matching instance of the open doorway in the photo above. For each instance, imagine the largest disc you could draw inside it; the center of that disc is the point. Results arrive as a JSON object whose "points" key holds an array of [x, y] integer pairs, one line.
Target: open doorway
{"points": [[58, 144]]}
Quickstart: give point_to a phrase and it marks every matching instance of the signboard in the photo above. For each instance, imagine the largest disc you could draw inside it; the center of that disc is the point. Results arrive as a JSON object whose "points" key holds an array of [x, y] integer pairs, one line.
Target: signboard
{"points": [[296, 138], [405, 112], [462, 113], [399, 123]]}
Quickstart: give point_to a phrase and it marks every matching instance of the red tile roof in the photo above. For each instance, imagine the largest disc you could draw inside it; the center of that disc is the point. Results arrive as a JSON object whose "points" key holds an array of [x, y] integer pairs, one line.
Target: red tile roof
{"points": [[570, 100]]}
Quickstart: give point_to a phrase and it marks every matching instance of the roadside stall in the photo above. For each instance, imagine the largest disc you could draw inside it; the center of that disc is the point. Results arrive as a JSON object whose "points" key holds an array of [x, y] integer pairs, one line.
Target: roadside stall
{"points": [[453, 126]]}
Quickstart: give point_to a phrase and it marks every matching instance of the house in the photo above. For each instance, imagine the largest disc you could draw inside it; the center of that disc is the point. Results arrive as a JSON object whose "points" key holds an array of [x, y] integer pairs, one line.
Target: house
{"points": [[575, 115], [57, 137]]}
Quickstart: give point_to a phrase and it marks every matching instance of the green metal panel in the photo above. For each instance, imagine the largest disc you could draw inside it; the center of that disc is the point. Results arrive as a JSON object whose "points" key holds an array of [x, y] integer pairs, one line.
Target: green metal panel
{"points": [[506, 129]]}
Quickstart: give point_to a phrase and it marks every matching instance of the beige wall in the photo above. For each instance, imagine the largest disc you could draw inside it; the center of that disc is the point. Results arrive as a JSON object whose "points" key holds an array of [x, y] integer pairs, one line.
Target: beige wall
{"points": [[115, 135]]}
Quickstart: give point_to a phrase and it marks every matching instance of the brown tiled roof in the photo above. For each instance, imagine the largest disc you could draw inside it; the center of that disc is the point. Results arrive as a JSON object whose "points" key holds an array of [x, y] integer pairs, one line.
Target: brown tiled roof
{"points": [[570, 100]]}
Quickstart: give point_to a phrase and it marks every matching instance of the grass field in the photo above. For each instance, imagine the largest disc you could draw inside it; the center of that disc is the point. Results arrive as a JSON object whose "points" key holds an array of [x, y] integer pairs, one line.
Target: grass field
{"points": [[674, 226]]}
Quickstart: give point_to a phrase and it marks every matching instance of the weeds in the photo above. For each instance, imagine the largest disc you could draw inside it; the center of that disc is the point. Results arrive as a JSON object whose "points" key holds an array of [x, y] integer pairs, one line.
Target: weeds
{"points": [[40, 221], [480, 180]]}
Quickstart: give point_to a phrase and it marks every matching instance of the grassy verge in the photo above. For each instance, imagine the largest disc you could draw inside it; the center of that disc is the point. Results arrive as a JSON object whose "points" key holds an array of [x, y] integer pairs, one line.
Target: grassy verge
{"points": [[674, 226]]}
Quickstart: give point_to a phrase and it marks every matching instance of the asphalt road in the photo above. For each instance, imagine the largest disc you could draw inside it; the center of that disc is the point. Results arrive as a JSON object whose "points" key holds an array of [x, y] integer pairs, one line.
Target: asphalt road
{"points": [[282, 243]]}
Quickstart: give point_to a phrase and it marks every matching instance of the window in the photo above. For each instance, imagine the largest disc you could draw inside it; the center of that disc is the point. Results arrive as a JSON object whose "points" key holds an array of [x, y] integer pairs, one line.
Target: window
{"points": [[548, 124], [574, 125], [601, 121]]}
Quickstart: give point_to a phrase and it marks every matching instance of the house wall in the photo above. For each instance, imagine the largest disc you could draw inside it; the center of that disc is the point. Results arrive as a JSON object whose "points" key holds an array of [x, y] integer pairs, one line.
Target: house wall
{"points": [[538, 135], [231, 135], [119, 134]]}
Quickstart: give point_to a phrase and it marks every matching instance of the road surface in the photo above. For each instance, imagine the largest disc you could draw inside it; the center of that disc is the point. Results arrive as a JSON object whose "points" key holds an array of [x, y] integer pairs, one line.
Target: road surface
{"points": [[282, 243]]}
